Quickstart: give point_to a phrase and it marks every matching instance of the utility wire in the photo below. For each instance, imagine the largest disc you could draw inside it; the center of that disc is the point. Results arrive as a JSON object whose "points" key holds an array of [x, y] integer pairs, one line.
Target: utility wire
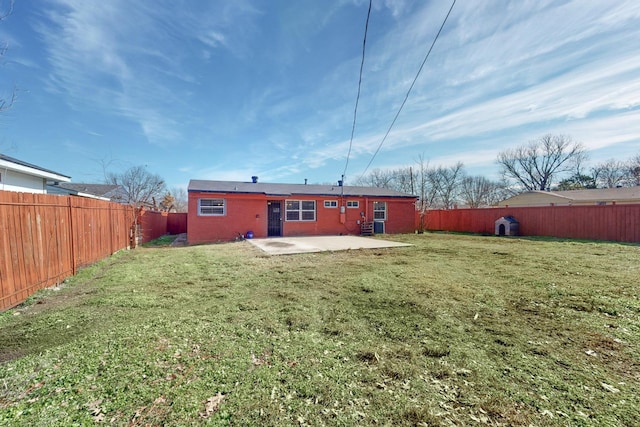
{"points": [[355, 110], [410, 88]]}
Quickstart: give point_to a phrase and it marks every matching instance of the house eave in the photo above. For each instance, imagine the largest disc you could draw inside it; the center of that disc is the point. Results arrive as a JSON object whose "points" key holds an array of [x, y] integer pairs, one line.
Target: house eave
{"points": [[33, 171]]}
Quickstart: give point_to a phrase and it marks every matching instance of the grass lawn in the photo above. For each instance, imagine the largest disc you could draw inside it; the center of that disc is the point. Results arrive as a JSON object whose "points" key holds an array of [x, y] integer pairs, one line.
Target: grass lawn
{"points": [[455, 330]]}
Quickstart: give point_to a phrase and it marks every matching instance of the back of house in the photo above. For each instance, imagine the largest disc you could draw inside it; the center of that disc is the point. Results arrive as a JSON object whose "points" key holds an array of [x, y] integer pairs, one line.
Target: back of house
{"points": [[226, 210]]}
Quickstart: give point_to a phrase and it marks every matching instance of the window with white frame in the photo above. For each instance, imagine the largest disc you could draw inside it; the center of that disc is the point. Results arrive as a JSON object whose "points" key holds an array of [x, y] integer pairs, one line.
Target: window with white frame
{"points": [[330, 203], [300, 210], [380, 210], [211, 207], [353, 204]]}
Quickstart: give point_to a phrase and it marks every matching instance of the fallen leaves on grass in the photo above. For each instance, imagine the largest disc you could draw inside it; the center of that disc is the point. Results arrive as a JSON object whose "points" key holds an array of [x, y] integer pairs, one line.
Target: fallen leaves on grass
{"points": [[212, 405], [96, 410], [263, 359], [609, 388]]}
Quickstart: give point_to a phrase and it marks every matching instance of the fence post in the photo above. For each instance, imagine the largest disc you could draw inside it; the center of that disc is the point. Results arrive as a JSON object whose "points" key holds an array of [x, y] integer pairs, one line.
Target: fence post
{"points": [[72, 236]]}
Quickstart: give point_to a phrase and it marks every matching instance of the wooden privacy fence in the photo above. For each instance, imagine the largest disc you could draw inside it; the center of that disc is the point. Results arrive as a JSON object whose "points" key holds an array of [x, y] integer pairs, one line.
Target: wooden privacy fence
{"points": [[45, 238], [619, 223]]}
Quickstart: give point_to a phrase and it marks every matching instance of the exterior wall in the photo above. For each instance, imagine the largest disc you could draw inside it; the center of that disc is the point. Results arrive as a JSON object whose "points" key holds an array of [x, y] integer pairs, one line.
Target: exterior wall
{"points": [[243, 213], [402, 217], [619, 223], [248, 212], [17, 181]]}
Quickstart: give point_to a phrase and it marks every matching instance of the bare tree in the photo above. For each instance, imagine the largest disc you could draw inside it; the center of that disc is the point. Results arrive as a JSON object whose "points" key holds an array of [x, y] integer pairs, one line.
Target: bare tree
{"points": [[610, 174], [5, 11], [478, 191], [180, 202], [426, 194], [377, 178], [446, 183], [140, 187], [633, 171], [403, 180], [534, 166]]}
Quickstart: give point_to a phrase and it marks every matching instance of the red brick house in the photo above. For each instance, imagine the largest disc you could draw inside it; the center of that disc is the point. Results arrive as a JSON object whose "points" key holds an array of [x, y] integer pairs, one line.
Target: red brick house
{"points": [[223, 210]]}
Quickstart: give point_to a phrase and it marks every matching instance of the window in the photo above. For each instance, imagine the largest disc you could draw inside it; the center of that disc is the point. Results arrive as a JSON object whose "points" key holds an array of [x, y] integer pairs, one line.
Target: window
{"points": [[330, 203], [353, 204], [380, 210], [301, 210], [211, 207]]}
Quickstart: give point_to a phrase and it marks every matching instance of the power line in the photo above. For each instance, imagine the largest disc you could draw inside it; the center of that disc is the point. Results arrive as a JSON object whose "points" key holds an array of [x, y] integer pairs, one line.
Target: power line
{"points": [[410, 88], [355, 110]]}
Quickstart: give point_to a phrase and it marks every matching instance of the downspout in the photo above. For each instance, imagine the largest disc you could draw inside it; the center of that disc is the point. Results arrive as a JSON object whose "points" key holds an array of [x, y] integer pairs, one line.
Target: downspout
{"points": [[366, 209]]}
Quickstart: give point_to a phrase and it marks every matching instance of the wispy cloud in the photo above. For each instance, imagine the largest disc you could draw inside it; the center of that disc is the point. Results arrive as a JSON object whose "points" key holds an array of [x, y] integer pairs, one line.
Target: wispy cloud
{"points": [[497, 71], [248, 86], [121, 57]]}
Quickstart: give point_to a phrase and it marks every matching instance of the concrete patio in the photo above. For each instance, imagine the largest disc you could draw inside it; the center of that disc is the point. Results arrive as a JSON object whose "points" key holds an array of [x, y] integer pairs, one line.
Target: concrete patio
{"points": [[297, 245]]}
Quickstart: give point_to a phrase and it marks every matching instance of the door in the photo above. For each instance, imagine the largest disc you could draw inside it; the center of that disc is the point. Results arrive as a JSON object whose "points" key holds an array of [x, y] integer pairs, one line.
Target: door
{"points": [[274, 218]]}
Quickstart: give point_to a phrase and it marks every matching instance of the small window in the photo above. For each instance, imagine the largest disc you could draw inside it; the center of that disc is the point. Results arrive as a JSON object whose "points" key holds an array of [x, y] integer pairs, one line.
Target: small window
{"points": [[209, 207], [380, 210], [300, 210], [330, 203], [353, 204]]}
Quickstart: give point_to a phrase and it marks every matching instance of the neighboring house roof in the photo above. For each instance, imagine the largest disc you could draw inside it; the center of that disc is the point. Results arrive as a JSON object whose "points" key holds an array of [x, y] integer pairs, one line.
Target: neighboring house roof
{"points": [[238, 187], [13, 164], [97, 191], [591, 196]]}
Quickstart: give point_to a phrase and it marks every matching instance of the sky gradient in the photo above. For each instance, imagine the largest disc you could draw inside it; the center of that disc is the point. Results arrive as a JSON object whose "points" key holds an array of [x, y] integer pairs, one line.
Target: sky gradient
{"points": [[225, 90]]}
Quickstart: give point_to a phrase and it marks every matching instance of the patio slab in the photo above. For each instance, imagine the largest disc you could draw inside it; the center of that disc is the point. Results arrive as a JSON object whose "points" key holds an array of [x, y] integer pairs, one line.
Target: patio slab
{"points": [[298, 245]]}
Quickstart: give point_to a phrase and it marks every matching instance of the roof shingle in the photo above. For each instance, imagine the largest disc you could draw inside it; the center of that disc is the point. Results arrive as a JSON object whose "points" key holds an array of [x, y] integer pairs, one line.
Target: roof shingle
{"points": [[291, 189]]}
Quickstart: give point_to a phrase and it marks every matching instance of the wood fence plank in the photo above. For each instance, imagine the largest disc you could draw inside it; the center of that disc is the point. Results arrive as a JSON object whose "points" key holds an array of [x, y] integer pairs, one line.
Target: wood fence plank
{"points": [[46, 237], [609, 222]]}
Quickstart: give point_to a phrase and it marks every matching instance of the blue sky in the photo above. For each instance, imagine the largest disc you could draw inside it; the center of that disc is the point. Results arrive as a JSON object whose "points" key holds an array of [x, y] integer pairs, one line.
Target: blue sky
{"points": [[229, 89]]}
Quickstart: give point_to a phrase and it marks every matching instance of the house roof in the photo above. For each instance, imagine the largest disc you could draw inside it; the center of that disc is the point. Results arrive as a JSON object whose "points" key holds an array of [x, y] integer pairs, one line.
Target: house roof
{"points": [[100, 191], [14, 164], [603, 194], [589, 195], [238, 187]]}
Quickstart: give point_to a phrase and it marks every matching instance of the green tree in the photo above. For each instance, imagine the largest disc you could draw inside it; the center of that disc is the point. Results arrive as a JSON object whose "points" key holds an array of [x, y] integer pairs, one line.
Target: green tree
{"points": [[577, 182]]}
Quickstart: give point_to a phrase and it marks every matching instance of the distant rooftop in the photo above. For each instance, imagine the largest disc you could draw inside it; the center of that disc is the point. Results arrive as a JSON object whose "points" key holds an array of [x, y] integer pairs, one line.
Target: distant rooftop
{"points": [[110, 192], [601, 193]]}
